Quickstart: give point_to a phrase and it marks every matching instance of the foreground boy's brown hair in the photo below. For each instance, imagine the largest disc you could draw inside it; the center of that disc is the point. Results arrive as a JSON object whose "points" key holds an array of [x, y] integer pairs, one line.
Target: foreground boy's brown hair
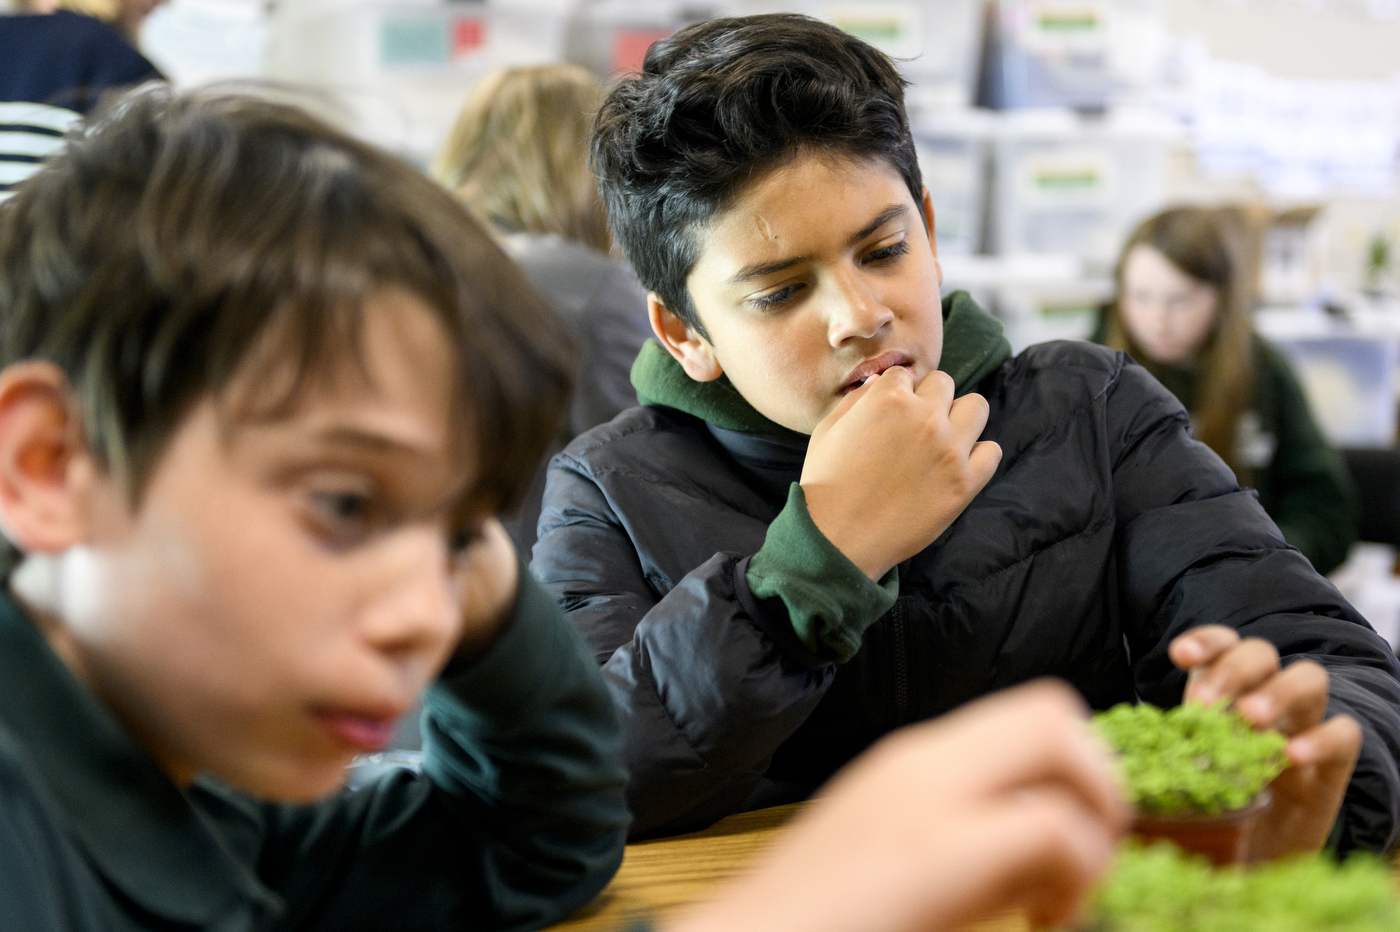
{"points": [[182, 237]]}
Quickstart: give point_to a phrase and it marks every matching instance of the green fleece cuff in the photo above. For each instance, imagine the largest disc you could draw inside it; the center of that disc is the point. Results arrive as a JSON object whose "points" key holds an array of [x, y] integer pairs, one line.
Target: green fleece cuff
{"points": [[829, 599]]}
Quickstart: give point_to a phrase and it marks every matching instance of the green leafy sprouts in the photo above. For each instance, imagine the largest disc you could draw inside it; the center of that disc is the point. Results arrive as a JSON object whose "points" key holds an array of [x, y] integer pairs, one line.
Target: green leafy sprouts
{"points": [[1159, 889], [1193, 758]]}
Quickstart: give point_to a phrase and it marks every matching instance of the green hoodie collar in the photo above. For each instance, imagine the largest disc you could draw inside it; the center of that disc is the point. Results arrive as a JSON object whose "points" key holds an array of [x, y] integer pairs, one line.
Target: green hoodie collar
{"points": [[973, 346]]}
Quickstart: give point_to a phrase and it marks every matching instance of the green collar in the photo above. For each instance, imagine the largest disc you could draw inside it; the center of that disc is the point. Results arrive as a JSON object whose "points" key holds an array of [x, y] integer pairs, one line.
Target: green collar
{"points": [[973, 346], [137, 829]]}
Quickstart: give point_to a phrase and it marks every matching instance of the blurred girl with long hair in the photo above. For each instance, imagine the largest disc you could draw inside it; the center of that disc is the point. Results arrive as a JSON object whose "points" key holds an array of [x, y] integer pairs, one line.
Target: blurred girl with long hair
{"points": [[1183, 310]]}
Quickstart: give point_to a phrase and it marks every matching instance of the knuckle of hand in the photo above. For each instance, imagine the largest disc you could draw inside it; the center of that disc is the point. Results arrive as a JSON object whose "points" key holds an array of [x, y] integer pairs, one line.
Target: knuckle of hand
{"points": [[1348, 728], [1220, 636], [1309, 671], [1260, 647], [1058, 698], [1061, 829]]}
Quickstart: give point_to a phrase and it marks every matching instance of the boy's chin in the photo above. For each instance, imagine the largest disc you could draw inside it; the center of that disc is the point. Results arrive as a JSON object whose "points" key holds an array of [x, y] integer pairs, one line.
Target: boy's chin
{"points": [[299, 781]]}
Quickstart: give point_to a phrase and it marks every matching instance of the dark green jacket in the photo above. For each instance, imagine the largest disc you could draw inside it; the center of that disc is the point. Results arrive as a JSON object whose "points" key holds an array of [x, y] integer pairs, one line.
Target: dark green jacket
{"points": [[517, 819], [1302, 482]]}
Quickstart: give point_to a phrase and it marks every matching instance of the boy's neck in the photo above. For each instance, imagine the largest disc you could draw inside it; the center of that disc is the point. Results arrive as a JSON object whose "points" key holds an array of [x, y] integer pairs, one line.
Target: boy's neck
{"points": [[33, 588]]}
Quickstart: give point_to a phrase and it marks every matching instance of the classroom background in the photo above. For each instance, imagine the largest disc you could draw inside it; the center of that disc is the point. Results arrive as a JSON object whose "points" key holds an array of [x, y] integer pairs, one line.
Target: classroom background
{"points": [[1046, 130]]}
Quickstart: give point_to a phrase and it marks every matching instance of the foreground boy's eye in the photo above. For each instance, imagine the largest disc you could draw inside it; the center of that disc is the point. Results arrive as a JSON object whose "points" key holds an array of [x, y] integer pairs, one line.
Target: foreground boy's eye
{"points": [[462, 538], [344, 517]]}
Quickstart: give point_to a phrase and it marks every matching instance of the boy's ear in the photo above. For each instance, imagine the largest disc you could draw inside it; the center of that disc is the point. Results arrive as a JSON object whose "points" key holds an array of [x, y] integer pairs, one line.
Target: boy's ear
{"points": [[692, 351], [932, 232], [42, 459]]}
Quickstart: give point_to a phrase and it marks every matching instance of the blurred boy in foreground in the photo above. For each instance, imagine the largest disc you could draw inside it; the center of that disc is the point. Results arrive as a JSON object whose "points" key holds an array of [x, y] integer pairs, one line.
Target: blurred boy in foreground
{"points": [[263, 388]]}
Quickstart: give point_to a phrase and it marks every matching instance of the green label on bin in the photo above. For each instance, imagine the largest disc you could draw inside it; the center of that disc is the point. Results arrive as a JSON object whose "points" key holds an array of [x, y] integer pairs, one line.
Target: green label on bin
{"points": [[409, 41]]}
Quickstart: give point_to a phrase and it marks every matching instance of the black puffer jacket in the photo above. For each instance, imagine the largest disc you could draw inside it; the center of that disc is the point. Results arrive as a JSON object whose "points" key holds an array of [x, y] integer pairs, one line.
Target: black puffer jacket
{"points": [[1106, 532]]}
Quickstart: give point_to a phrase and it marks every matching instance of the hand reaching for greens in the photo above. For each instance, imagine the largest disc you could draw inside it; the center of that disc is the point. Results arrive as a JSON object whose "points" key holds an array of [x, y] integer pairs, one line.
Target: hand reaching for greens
{"points": [[1321, 754], [1009, 802]]}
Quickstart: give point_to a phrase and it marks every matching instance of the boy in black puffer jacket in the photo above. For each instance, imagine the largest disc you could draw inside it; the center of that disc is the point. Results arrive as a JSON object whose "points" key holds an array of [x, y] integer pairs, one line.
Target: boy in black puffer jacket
{"points": [[845, 506]]}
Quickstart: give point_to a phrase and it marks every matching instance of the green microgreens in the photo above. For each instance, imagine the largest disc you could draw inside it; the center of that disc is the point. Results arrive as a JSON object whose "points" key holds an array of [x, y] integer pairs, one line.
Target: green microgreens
{"points": [[1193, 758], [1159, 889]]}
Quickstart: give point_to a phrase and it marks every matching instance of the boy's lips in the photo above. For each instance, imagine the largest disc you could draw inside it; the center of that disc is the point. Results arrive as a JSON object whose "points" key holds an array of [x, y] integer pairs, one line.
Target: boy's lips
{"points": [[872, 367], [364, 732]]}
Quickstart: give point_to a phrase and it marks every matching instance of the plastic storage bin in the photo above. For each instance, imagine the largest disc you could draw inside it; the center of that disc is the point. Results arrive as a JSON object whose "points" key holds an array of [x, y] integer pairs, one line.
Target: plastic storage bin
{"points": [[936, 43], [198, 41], [1350, 370], [613, 35], [1038, 308], [1085, 54], [1351, 385], [1072, 184], [954, 150], [1037, 298]]}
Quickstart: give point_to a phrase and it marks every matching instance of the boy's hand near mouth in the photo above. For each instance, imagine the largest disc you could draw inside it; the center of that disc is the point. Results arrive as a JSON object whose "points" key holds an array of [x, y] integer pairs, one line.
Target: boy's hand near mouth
{"points": [[894, 464]]}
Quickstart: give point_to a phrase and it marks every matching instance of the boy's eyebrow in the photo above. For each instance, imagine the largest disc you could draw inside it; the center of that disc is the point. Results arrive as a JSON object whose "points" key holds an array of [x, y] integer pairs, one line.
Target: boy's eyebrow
{"points": [[750, 272], [893, 212], [460, 498], [345, 436]]}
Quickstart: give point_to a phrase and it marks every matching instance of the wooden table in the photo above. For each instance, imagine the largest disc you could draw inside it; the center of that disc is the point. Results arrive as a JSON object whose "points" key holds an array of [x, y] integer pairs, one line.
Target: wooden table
{"points": [[658, 877]]}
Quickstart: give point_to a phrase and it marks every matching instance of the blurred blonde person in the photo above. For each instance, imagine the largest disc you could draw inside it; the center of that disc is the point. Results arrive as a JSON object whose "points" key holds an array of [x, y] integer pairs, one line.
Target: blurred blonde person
{"points": [[1183, 311], [518, 159]]}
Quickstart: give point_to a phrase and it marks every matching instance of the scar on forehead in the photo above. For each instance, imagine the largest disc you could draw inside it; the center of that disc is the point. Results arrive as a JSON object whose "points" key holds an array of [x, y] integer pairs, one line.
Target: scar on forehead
{"points": [[765, 227]]}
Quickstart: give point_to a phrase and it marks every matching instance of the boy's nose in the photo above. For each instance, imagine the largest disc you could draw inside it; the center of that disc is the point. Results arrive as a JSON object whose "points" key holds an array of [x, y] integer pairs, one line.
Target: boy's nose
{"points": [[857, 312]]}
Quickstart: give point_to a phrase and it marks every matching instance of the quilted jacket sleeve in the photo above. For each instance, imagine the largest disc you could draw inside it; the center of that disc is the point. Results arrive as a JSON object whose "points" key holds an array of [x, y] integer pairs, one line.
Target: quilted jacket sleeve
{"points": [[707, 680], [1193, 549]]}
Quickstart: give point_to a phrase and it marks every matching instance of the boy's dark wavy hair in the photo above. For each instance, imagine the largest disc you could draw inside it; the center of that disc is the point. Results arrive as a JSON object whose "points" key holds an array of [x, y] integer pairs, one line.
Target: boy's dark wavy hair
{"points": [[181, 241], [722, 102]]}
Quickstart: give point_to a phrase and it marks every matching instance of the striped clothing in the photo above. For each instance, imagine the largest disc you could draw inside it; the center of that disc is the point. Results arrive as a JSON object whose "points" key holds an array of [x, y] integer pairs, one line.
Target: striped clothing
{"points": [[29, 133], [53, 70]]}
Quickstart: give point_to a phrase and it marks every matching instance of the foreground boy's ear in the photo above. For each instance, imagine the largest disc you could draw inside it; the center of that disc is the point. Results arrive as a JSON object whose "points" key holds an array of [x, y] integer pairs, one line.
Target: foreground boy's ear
{"points": [[39, 439], [692, 351]]}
